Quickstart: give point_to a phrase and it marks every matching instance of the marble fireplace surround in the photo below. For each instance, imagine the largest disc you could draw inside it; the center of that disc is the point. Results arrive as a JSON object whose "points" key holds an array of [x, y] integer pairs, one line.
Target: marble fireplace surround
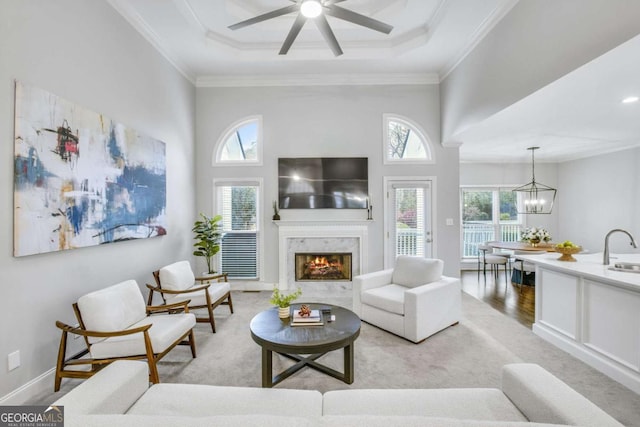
{"points": [[307, 236]]}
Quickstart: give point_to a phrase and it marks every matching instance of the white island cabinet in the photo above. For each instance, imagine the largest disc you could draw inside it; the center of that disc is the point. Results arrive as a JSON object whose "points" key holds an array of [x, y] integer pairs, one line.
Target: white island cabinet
{"points": [[591, 311]]}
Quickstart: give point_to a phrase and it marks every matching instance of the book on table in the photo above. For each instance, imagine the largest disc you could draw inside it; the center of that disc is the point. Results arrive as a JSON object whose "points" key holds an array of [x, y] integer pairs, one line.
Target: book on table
{"points": [[314, 319]]}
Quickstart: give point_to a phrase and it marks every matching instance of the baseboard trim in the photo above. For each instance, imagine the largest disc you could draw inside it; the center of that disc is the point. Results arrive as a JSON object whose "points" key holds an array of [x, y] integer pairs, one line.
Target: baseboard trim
{"points": [[251, 286], [29, 391]]}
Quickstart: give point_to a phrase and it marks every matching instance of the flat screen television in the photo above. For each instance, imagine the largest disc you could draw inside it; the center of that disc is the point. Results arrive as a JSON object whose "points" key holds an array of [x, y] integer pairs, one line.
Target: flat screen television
{"points": [[323, 183]]}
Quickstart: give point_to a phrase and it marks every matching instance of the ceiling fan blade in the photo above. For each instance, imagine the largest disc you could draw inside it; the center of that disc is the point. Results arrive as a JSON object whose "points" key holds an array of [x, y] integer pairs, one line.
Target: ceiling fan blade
{"points": [[358, 19], [293, 33], [327, 33], [264, 17]]}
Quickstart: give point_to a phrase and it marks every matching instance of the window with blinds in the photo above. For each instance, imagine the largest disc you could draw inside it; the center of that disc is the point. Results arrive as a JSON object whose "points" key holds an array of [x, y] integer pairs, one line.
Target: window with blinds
{"points": [[240, 246]]}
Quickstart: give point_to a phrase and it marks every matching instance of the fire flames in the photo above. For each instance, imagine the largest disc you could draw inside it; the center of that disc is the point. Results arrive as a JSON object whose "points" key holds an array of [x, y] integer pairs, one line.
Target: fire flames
{"points": [[322, 262], [322, 267]]}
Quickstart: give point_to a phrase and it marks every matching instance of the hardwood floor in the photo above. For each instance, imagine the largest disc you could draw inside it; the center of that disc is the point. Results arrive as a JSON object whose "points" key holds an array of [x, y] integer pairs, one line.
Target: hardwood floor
{"points": [[505, 298]]}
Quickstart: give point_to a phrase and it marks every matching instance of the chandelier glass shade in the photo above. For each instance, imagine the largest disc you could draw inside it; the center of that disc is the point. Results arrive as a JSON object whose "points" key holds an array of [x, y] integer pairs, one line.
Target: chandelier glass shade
{"points": [[534, 197]]}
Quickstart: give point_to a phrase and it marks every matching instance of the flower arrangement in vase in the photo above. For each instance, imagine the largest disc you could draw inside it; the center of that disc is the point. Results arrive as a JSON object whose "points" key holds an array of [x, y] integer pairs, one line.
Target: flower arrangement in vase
{"points": [[535, 235], [283, 301]]}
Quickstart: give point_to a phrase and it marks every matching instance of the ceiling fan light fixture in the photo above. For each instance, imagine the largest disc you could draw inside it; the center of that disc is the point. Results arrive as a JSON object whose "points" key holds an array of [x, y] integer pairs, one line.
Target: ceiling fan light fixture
{"points": [[311, 8]]}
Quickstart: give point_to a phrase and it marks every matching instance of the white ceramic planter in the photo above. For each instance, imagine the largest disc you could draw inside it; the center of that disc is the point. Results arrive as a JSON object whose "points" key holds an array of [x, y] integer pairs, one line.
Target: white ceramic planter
{"points": [[284, 312]]}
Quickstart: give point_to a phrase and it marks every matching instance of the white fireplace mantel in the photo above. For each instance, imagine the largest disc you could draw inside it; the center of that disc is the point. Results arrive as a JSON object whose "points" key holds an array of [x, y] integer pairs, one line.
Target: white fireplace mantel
{"points": [[318, 230]]}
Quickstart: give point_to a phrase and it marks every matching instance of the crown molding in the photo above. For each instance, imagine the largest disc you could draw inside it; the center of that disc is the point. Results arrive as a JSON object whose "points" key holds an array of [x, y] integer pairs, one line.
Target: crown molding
{"points": [[317, 80], [478, 35], [388, 48], [129, 13]]}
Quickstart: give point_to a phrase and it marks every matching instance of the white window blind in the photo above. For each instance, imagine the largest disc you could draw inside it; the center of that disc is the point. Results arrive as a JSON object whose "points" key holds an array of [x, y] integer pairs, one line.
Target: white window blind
{"points": [[239, 252]]}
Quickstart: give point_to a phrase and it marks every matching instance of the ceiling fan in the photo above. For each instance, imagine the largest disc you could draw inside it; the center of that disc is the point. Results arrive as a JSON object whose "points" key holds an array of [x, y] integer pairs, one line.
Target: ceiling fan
{"points": [[316, 11]]}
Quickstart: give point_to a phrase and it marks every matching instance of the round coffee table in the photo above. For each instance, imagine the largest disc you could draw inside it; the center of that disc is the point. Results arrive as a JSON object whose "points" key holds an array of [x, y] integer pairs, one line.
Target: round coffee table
{"points": [[275, 334]]}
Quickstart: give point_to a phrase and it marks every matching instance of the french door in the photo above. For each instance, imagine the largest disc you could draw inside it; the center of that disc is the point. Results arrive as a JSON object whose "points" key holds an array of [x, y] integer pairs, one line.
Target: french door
{"points": [[408, 224]]}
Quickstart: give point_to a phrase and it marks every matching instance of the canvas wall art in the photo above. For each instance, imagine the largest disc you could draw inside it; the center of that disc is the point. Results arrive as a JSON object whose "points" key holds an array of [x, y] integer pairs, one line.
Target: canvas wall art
{"points": [[80, 178]]}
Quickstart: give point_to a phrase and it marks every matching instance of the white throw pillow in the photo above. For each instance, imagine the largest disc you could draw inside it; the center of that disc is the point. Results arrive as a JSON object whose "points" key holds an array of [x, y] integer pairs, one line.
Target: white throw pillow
{"points": [[412, 271], [177, 276]]}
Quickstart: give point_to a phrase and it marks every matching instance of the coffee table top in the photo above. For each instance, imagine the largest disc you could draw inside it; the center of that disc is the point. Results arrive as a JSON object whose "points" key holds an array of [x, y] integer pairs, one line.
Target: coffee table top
{"points": [[276, 334]]}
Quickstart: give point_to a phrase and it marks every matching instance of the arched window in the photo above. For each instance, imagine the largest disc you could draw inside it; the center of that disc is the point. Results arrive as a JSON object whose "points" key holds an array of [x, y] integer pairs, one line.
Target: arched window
{"points": [[404, 142], [241, 143]]}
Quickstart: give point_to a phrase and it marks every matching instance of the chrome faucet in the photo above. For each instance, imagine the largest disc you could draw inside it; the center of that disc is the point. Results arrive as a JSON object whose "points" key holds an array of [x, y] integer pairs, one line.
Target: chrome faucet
{"points": [[605, 260]]}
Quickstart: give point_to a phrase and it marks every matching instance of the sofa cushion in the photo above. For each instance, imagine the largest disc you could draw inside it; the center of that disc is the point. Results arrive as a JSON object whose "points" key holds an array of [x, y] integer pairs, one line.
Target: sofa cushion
{"points": [[412, 271], [186, 421], [114, 308], [543, 397], [177, 276], [477, 404], [416, 421], [198, 400], [388, 298], [112, 390], [216, 291], [166, 330]]}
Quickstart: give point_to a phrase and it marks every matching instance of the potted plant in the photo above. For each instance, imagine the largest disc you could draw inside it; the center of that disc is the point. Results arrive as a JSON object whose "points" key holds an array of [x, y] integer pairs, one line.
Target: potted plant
{"points": [[283, 301], [207, 235]]}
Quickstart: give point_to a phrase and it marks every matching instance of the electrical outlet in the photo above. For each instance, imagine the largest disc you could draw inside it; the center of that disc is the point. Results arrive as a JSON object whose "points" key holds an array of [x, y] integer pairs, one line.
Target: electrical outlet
{"points": [[449, 221], [13, 360]]}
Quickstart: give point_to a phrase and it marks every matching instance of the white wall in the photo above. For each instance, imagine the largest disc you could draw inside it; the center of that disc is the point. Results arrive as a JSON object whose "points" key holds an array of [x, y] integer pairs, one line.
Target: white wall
{"points": [[536, 43], [599, 194], [329, 121], [87, 53]]}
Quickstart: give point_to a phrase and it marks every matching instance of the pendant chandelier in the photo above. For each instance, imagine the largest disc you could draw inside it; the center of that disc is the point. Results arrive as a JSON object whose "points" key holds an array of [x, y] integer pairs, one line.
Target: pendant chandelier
{"points": [[536, 198]]}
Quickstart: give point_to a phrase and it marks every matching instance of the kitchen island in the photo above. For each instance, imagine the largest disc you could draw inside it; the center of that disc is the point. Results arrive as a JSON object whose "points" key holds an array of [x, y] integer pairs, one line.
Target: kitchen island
{"points": [[591, 311]]}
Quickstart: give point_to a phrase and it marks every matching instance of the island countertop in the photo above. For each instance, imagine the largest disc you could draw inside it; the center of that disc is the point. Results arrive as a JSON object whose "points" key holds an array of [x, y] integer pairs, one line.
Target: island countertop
{"points": [[591, 266]]}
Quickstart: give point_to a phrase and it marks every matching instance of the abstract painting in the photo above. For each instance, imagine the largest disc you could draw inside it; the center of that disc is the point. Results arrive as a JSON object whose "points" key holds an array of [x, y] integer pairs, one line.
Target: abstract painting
{"points": [[80, 178]]}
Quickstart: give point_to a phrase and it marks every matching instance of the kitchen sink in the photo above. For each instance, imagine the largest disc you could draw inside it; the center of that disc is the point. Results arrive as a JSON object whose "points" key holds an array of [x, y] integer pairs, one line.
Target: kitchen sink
{"points": [[630, 267]]}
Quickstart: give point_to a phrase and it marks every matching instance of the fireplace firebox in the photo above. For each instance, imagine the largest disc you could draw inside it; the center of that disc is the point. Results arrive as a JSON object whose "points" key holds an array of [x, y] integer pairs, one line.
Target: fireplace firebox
{"points": [[323, 266]]}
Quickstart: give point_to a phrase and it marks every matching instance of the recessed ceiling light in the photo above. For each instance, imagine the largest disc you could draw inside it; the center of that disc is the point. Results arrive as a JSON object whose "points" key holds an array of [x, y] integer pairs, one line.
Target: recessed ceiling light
{"points": [[311, 8], [630, 99]]}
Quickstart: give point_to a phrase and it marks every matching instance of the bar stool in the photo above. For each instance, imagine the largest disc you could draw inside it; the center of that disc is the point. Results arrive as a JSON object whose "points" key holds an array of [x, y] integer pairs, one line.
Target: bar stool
{"points": [[524, 268]]}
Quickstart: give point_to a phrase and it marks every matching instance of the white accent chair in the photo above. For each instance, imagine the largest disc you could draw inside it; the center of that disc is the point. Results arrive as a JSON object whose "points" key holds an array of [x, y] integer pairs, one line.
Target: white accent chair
{"points": [[116, 324], [413, 300], [176, 282]]}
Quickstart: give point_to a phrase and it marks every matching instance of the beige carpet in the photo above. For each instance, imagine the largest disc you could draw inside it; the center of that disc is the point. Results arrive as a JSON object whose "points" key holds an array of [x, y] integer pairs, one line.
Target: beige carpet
{"points": [[469, 354]]}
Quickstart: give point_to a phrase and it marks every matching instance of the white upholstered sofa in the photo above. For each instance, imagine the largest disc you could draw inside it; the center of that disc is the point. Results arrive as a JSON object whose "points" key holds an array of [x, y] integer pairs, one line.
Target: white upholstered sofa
{"points": [[119, 395], [413, 299]]}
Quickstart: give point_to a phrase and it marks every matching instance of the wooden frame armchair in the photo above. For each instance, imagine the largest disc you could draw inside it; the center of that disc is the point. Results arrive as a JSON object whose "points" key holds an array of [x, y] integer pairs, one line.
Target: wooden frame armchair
{"points": [[134, 331], [176, 282]]}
